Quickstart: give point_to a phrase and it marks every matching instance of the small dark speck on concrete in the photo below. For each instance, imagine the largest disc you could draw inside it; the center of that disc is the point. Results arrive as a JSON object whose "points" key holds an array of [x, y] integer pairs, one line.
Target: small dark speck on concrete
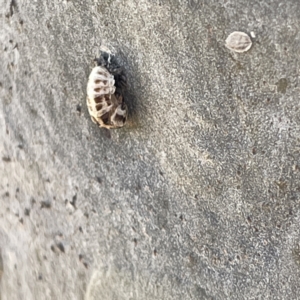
{"points": [[61, 247], [281, 184], [78, 109], [282, 85], [296, 255], [99, 180], [74, 199], [45, 204], [81, 259], [6, 159], [1, 265]]}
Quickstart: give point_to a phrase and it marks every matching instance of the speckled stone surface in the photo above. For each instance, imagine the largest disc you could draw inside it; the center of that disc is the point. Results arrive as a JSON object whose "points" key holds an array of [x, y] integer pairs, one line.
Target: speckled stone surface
{"points": [[196, 198]]}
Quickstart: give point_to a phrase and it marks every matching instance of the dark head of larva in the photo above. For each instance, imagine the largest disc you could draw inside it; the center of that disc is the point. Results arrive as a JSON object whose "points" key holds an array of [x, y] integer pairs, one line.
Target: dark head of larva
{"points": [[110, 62]]}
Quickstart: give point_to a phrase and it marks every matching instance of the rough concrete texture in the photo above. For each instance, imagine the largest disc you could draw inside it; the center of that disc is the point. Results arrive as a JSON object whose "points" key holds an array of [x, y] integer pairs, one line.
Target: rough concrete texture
{"points": [[197, 198]]}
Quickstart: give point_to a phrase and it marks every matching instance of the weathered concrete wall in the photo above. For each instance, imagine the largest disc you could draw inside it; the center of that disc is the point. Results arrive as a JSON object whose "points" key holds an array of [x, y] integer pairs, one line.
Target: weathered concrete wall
{"points": [[197, 198]]}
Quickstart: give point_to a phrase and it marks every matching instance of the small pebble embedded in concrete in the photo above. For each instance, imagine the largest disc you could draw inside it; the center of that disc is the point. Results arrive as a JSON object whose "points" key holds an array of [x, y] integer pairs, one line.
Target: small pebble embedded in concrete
{"points": [[238, 41]]}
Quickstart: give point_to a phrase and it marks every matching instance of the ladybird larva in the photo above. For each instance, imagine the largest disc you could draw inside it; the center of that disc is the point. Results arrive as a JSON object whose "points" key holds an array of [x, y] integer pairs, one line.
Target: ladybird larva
{"points": [[105, 93]]}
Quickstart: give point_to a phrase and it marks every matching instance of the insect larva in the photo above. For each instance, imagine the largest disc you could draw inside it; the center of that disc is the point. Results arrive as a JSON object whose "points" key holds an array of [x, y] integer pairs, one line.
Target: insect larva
{"points": [[105, 93]]}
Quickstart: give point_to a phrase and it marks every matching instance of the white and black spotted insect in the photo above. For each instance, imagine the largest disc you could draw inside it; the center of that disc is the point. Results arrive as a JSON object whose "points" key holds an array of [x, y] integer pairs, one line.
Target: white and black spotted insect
{"points": [[105, 93]]}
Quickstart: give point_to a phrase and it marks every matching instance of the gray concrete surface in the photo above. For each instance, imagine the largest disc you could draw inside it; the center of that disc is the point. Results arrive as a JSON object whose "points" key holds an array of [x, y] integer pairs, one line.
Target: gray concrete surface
{"points": [[197, 198]]}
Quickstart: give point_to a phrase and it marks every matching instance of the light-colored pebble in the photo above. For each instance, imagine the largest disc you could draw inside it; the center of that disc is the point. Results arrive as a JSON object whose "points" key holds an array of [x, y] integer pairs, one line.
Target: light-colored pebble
{"points": [[238, 41]]}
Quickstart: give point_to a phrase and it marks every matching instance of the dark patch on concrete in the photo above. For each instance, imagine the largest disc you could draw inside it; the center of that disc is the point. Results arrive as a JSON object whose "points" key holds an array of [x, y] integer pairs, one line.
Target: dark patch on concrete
{"points": [[6, 158], [1, 265], [46, 204], [282, 85]]}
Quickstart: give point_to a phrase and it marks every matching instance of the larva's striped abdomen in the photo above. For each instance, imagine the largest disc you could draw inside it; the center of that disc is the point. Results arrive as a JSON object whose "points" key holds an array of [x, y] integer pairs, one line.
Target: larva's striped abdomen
{"points": [[105, 108]]}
